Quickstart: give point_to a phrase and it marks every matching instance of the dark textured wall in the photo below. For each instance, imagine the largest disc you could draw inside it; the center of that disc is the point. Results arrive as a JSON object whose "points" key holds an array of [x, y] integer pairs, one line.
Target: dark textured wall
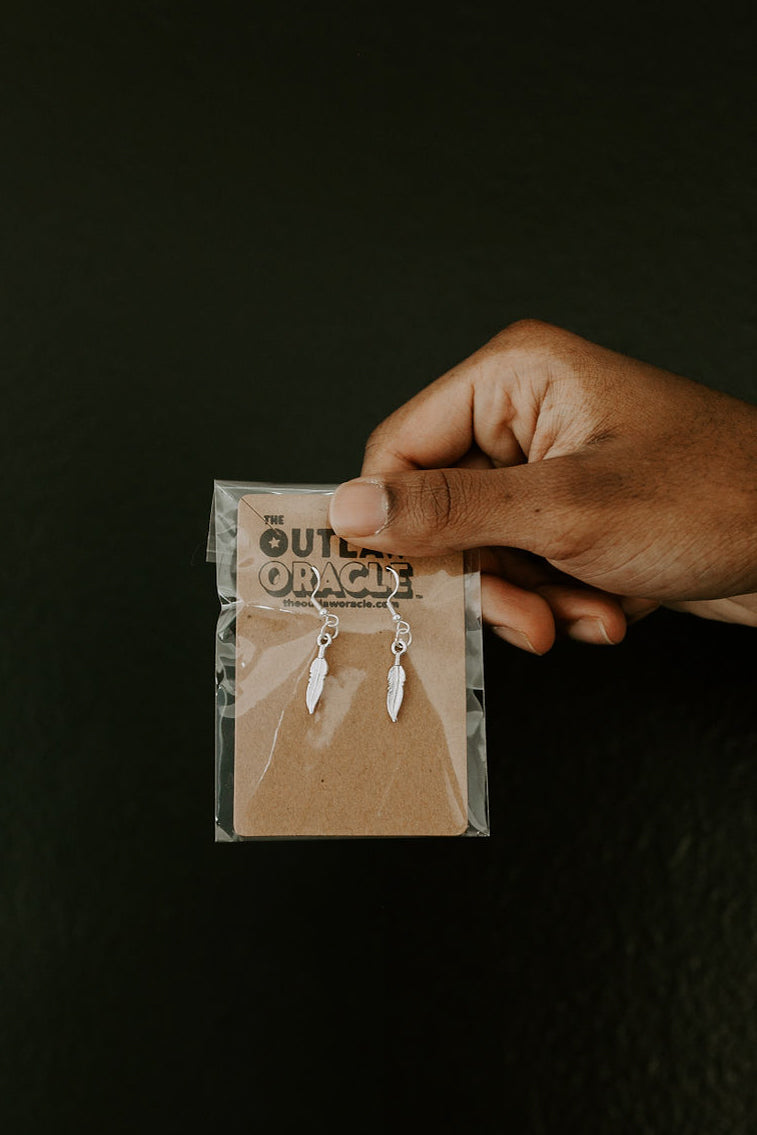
{"points": [[234, 237]]}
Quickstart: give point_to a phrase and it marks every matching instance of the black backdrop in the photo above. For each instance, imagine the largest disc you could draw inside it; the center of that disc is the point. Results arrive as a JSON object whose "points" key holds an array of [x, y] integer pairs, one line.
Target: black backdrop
{"points": [[235, 236]]}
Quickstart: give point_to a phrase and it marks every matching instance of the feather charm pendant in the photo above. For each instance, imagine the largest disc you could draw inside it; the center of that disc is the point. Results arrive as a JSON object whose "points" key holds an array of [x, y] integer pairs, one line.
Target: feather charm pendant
{"points": [[395, 688], [319, 668]]}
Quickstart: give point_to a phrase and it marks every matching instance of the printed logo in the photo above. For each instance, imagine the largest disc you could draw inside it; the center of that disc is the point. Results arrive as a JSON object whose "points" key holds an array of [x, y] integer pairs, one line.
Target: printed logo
{"points": [[347, 573]]}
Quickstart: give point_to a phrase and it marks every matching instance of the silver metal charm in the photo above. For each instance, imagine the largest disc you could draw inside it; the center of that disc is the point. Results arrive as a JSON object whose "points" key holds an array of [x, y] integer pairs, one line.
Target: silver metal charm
{"points": [[402, 639], [319, 667]]}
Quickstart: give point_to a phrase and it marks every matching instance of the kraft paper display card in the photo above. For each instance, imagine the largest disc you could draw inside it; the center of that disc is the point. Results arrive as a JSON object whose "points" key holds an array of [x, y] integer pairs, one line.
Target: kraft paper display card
{"points": [[346, 768]]}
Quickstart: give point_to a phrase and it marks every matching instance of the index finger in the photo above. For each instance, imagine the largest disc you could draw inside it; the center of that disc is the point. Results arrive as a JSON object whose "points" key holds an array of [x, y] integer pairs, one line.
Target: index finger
{"points": [[477, 403]]}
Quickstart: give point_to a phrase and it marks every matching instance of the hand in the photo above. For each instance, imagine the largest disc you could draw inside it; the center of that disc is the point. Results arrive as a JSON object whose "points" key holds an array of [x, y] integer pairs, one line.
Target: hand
{"points": [[598, 486]]}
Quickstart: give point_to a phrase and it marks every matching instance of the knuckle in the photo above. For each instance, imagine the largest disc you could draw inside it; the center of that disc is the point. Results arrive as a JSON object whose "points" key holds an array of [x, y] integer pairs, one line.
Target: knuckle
{"points": [[535, 339], [460, 503], [528, 332], [528, 326], [434, 503], [442, 497], [428, 505], [530, 341]]}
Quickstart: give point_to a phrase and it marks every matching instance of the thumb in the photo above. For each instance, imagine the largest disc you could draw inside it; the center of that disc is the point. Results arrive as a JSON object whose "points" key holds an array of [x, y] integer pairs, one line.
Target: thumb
{"points": [[545, 507]]}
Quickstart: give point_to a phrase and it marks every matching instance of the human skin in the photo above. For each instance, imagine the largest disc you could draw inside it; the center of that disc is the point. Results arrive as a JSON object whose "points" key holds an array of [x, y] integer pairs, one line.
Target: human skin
{"points": [[596, 485]]}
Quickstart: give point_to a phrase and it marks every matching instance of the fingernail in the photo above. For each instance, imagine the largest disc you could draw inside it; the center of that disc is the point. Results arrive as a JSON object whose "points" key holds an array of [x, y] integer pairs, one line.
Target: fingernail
{"points": [[359, 508], [515, 638], [590, 630], [634, 608]]}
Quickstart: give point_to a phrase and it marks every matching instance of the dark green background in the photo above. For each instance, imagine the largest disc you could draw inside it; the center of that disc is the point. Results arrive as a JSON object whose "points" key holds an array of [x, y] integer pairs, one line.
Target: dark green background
{"points": [[234, 237]]}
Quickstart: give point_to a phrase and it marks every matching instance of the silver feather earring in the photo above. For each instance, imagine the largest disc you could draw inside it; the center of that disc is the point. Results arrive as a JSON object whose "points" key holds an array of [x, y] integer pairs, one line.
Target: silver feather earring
{"points": [[402, 638], [319, 667]]}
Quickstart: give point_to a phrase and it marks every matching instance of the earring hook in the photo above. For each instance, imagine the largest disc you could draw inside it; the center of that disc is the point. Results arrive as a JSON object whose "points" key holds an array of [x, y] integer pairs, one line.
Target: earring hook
{"points": [[316, 589], [396, 587]]}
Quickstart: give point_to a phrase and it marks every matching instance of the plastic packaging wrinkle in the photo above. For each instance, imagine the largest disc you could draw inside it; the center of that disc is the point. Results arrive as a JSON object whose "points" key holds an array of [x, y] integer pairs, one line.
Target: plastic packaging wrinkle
{"points": [[349, 683]]}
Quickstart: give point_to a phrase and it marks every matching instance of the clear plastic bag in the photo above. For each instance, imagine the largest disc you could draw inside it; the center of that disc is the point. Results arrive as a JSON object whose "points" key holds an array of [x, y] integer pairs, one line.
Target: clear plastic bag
{"points": [[374, 756]]}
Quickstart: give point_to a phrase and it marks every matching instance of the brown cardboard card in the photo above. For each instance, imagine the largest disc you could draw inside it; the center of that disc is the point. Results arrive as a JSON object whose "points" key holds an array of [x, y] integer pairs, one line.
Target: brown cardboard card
{"points": [[346, 769]]}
